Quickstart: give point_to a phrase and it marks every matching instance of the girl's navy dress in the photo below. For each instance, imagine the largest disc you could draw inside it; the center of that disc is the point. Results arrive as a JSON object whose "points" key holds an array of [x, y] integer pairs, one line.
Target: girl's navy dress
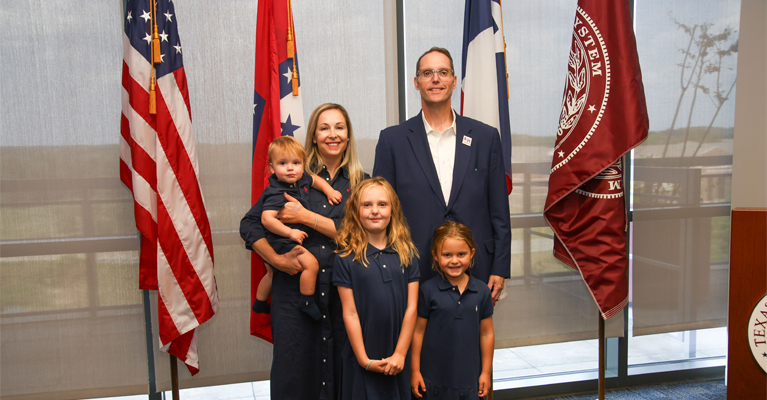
{"points": [[450, 355], [380, 295]]}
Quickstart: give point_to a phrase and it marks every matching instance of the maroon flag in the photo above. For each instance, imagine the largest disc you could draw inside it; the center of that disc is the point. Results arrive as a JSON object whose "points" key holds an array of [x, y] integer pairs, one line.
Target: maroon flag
{"points": [[603, 117], [277, 111], [158, 163]]}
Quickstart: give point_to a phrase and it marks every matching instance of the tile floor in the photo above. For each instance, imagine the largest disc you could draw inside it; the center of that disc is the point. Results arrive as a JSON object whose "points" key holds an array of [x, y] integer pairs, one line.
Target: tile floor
{"points": [[522, 365]]}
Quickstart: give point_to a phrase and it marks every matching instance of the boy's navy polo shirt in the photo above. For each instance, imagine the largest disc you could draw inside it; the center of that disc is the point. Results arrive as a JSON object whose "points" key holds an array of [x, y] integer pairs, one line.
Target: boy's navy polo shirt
{"points": [[450, 355], [273, 194], [273, 198]]}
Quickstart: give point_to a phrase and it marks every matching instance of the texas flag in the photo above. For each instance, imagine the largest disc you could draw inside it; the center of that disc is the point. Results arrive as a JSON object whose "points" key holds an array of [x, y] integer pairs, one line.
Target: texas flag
{"points": [[484, 89], [277, 111]]}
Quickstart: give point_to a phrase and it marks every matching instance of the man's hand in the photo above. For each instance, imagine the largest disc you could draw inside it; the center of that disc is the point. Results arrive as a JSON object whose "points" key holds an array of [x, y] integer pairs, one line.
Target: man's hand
{"points": [[495, 283]]}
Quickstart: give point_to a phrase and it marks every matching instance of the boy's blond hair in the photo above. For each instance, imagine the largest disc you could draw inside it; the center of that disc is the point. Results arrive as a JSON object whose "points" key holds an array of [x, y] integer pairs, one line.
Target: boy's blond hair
{"points": [[286, 145]]}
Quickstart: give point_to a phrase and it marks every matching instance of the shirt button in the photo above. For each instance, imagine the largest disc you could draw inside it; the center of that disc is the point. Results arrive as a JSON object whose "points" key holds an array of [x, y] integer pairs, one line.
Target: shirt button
{"points": [[453, 288], [324, 338], [459, 301], [324, 206], [323, 248], [323, 383], [323, 360], [323, 270], [384, 265], [323, 316], [324, 294]]}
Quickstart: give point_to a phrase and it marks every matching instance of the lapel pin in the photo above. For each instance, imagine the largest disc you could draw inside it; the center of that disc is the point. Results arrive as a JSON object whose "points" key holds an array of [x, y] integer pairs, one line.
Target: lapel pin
{"points": [[466, 140]]}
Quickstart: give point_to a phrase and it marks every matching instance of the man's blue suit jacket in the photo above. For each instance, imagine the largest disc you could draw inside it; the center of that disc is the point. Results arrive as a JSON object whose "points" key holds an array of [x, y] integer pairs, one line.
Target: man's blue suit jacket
{"points": [[478, 197]]}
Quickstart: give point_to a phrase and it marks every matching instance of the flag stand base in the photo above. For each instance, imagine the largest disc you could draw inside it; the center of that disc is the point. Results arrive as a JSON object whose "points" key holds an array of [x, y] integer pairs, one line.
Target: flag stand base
{"points": [[174, 377]]}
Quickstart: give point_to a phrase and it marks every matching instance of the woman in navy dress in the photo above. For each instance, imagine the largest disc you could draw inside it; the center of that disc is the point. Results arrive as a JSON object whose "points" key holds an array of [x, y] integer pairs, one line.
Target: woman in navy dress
{"points": [[454, 338], [306, 356], [378, 285]]}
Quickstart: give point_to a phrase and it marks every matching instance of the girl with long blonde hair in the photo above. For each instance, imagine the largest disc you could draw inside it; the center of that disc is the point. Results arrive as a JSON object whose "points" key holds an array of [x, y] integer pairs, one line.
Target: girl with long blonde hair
{"points": [[378, 285]]}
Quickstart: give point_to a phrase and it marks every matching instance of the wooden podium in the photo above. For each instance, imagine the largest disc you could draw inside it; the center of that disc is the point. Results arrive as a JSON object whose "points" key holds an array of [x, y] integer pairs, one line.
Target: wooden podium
{"points": [[748, 283]]}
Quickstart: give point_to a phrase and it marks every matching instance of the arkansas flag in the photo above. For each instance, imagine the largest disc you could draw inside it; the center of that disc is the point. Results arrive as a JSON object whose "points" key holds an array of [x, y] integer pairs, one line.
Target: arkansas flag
{"points": [[158, 163], [277, 111], [603, 117], [484, 88]]}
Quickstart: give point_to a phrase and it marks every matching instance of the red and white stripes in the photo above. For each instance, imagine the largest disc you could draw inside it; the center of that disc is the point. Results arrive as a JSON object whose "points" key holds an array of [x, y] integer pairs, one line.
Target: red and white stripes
{"points": [[158, 162]]}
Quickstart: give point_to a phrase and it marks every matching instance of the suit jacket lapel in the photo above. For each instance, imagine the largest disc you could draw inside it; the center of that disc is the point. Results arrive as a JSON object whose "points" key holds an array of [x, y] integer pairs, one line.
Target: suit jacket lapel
{"points": [[462, 156], [416, 135]]}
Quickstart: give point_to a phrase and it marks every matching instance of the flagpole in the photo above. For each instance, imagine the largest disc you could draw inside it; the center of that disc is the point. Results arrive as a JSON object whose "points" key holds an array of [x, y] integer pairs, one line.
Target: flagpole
{"points": [[601, 357], [174, 377]]}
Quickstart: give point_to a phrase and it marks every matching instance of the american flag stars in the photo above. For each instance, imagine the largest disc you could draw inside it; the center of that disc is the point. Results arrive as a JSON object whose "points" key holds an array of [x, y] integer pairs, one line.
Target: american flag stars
{"points": [[140, 30]]}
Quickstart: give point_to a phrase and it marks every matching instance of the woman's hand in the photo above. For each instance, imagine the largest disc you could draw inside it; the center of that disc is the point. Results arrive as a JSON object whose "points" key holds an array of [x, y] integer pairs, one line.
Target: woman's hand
{"points": [[287, 263], [395, 364], [292, 212]]}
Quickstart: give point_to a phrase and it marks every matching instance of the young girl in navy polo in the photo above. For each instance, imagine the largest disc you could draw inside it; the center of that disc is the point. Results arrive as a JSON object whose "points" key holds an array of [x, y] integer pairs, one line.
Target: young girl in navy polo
{"points": [[378, 286], [454, 339]]}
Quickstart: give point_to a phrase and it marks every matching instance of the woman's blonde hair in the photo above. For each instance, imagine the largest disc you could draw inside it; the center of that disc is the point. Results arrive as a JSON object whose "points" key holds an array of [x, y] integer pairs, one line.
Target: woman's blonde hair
{"points": [[350, 160], [352, 237], [450, 230]]}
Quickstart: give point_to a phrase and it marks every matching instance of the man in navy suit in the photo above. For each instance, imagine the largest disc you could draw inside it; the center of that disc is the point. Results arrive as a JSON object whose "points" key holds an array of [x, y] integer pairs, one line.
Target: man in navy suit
{"points": [[447, 167]]}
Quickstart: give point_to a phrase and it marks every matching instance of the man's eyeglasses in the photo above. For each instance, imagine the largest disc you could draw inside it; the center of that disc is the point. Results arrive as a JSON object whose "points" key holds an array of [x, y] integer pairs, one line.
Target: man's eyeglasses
{"points": [[429, 73]]}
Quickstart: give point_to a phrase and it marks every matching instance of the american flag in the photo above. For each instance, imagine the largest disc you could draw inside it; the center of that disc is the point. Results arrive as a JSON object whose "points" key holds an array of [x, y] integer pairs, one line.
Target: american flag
{"points": [[158, 163], [277, 111], [484, 91]]}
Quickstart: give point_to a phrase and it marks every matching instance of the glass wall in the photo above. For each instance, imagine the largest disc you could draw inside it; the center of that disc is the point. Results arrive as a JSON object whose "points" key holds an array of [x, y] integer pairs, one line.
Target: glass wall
{"points": [[683, 172]]}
